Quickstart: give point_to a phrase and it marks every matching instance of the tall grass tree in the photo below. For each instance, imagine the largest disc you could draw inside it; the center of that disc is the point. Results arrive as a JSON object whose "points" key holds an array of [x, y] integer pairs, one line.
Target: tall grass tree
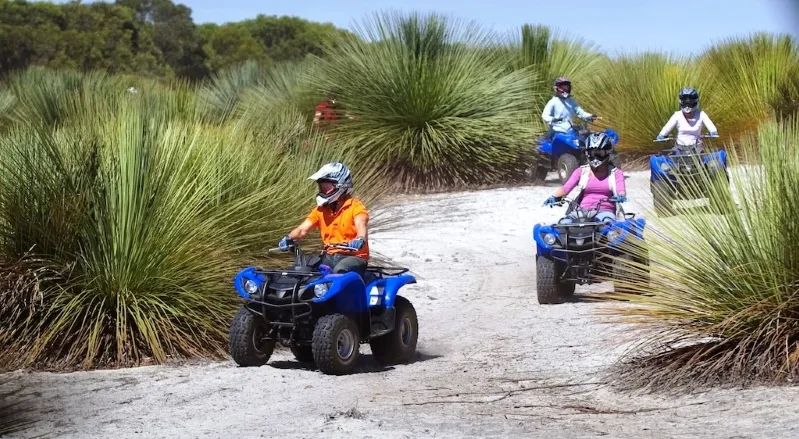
{"points": [[721, 303], [428, 104]]}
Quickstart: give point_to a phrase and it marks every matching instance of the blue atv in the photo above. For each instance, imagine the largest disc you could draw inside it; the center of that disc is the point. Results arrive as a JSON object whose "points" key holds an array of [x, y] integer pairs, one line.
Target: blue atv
{"points": [[323, 317], [579, 252], [684, 172], [565, 151]]}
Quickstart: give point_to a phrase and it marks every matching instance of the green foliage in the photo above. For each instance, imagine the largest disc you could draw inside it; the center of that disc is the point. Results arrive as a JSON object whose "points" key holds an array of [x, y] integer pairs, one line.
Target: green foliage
{"points": [[136, 216], [545, 55], [747, 74], [83, 36], [433, 108], [721, 303], [786, 101], [637, 95], [147, 37]]}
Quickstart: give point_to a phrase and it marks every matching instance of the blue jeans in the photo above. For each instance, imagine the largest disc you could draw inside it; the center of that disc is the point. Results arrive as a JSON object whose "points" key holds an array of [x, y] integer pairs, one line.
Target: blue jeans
{"points": [[604, 216]]}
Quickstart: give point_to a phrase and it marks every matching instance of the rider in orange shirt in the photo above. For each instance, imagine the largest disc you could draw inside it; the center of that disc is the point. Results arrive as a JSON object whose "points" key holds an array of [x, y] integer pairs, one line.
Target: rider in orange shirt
{"points": [[341, 219]]}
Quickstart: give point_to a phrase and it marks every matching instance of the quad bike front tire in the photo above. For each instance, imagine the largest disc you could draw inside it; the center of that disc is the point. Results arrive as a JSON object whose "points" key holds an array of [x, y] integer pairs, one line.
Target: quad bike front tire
{"points": [[548, 289], [567, 163], [245, 340], [336, 344], [399, 345], [303, 354]]}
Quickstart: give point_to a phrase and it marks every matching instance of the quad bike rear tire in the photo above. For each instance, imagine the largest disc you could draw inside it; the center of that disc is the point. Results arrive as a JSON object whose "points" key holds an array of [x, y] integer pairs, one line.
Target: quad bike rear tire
{"points": [[548, 289], [245, 340], [540, 174], [399, 345], [536, 174], [303, 354], [719, 200], [624, 272], [661, 198], [567, 163], [336, 344]]}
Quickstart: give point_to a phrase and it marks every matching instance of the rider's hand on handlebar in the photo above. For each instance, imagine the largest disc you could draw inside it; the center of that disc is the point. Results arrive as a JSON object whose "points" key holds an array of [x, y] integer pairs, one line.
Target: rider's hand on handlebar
{"points": [[620, 198], [285, 243], [357, 243], [714, 134], [550, 201], [660, 138]]}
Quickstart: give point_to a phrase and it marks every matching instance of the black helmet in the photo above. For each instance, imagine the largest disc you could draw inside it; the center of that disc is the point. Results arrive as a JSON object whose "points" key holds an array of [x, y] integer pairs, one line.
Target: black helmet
{"points": [[563, 87], [689, 99], [597, 149]]}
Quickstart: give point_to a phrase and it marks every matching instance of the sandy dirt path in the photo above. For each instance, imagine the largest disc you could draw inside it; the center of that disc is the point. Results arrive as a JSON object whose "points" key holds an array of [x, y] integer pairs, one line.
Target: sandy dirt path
{"points": [[492, 362]]}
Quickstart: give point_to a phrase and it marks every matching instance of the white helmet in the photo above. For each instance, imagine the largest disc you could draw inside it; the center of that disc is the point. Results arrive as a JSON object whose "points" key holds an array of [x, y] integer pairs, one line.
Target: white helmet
{"points": [[334, 180]]}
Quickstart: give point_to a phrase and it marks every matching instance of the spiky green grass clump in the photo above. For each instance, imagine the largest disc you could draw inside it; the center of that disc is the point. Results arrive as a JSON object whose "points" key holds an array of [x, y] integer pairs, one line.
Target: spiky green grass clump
{"points": [[722, 304], [430, 105], [136, 222], [747, 75]]}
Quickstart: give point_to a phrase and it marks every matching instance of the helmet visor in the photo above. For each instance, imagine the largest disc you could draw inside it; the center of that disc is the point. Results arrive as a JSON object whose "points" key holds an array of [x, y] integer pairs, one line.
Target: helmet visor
{"points": [[598, 153], [326, 187], [564, 87], [688, 102]]}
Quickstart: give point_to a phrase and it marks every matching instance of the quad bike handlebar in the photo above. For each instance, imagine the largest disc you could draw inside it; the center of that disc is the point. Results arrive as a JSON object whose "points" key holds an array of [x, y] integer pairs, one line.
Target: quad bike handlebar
{"points": [[585, 121], [576, 206], [694, 147], [293, 246], [670, 138], [341, 246], [569, 201]]}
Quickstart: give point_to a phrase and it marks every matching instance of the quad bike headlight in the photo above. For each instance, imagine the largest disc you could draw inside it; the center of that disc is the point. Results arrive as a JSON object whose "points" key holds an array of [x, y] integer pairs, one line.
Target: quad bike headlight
{"points": [[665, 167], [250, 287], [713, 164], [613, 235], [550, 239], [319, 290]]}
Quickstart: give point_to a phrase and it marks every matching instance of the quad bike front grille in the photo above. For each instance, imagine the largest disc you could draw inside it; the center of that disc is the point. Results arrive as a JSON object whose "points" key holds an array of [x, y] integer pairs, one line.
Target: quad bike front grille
{"points": [[581, 246]]}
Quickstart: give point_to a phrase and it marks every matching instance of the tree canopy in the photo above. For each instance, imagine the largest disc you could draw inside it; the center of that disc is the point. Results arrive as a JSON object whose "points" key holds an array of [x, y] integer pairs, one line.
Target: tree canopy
{"points": [[147, 37]]}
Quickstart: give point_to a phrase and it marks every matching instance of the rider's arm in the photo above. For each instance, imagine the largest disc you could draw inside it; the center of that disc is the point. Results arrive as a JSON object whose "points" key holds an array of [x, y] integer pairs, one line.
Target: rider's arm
{"points": [[621, 189], [711, 128], [669, 125], [361, 226], [547, 113], [570, 184], [582, 114], [303, 229]]}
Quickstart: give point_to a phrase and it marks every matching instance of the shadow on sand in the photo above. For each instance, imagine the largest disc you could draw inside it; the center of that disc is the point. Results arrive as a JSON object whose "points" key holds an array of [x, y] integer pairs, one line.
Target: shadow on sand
{"points": [[366, 364]]}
